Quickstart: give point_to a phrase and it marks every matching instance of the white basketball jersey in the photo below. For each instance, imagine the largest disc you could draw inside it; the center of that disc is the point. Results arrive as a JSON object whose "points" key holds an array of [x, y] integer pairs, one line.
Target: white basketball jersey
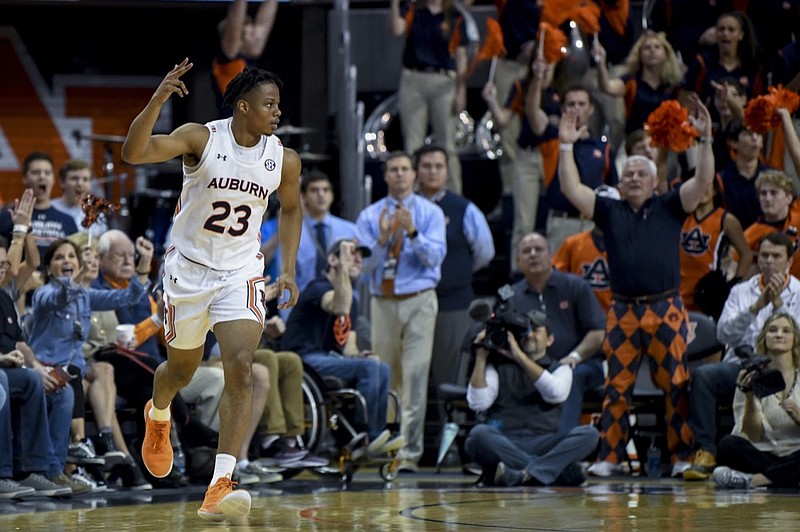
{"points": [[218, 216]]}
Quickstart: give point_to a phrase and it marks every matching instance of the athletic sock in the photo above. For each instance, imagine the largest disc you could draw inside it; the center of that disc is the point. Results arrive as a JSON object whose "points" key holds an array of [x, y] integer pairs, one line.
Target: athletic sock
{"points": [[223, 467], [156, 414]]}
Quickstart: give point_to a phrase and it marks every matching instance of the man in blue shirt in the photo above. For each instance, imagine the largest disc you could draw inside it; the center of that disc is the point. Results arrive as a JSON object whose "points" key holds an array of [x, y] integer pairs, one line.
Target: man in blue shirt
{"points": [[320, 229], [407, 237], [470, 247]]}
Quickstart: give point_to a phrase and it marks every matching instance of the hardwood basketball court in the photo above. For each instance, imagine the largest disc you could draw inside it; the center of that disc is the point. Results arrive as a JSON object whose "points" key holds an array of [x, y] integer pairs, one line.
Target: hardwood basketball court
{"points": [[424, 501]]}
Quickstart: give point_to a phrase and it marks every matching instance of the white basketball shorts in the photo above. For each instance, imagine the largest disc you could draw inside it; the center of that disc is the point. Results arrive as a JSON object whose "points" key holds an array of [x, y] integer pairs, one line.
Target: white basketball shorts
{"points": [[196, 298]]}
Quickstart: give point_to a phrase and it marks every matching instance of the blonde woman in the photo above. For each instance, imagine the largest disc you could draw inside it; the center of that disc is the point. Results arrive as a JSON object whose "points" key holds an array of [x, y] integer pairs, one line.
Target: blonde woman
{"points": [[651, 74], [764, 447]]}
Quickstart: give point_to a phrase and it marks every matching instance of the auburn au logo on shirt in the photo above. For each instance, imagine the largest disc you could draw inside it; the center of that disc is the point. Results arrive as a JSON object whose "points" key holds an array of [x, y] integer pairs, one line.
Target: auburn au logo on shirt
{"points": [[694, 241], [596, 273]]}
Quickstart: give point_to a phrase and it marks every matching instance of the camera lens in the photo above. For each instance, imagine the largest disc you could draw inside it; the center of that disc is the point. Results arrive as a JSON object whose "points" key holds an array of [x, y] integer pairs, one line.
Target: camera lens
{"points": [[498, 338]]}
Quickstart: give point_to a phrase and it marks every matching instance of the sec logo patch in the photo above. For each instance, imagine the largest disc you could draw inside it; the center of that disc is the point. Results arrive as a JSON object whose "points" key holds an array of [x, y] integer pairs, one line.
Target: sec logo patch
{"points": [[269, 164]]}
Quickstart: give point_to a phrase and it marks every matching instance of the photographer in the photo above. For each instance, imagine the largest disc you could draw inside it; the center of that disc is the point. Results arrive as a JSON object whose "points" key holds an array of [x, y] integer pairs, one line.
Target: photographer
{"points": [[747, 308], [764, 447], [521, 396], [576, 319]]}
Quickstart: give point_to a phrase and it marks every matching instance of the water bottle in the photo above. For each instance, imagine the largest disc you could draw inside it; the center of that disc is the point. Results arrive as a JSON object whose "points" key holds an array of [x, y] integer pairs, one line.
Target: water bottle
{"points": [[654, 461], [179, 459]]}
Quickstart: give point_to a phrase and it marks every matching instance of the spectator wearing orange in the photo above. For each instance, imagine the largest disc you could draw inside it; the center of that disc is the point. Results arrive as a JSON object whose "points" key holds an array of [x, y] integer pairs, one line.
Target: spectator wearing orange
{"points": [[706, 238], [775, 195]]}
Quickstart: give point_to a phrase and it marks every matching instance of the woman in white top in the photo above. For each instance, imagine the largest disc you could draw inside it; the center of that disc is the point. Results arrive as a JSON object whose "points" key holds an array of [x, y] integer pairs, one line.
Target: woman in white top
{"points": [[764, 447]]}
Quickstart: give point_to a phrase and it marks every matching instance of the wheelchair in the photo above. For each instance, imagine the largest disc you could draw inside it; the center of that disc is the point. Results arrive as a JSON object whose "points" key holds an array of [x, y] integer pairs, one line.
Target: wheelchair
{"points": [[329, 412]]}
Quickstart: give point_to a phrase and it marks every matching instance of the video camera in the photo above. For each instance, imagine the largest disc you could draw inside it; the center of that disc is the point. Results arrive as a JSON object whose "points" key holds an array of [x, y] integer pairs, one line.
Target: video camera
{"points": [[766, 381], [499, 320]]}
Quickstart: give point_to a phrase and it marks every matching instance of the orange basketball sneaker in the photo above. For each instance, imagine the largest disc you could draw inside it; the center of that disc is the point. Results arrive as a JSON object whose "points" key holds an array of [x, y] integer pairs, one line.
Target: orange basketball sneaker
{"points": [[223, 502], [156, 447]]}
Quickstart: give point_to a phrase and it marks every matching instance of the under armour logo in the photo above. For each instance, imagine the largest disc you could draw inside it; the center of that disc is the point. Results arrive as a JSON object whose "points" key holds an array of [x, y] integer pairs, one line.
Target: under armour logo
{"points": [[173, 278], [223, 157]]}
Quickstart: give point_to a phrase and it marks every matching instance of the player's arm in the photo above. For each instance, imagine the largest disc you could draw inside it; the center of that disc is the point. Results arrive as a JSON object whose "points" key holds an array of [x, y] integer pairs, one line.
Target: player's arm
{"points": [[142, 146], [290, 224], [580, 195]]}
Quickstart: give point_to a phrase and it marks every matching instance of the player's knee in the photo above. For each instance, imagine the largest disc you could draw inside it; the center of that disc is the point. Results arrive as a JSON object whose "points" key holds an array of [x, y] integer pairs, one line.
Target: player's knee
{"points": [[239, 368]]}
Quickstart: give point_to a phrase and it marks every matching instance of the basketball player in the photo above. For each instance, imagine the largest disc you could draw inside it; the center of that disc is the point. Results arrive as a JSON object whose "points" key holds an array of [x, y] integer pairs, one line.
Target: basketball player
{"points": [[213, 269]]}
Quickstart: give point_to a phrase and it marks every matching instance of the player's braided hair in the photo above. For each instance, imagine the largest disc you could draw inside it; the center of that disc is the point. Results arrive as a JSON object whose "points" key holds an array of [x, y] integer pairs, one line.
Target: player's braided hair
{"points": [[245, 81]]}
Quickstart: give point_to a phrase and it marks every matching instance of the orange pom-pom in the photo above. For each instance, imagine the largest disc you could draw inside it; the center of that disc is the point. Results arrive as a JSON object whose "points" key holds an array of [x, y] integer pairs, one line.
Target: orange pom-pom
{"points": [[784, 98], [492, 46], [493, 43], [93, 206], [759, 114], [555, 43], [669, 127], [587, 17], [555, 12]]}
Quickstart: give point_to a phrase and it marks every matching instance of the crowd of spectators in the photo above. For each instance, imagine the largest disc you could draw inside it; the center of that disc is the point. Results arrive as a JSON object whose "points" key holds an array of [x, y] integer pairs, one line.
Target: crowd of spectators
{"points": [[586, 170]]}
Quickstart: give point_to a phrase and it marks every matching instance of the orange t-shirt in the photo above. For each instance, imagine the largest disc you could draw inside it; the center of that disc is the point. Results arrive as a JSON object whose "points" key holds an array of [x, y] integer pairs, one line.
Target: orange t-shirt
{"points": [[582, 255], [760, 229]]}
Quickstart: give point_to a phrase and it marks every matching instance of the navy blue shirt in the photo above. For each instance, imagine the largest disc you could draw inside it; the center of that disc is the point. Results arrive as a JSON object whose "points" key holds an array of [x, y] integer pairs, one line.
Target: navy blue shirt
{"points": [[310, 328], [595, 161], [550, 105], [519, 21], [617, 46], [47, 226], [643, 247], [740, 194], [646, 99], [705, 68], [570, 305], [427, 42], [788, 64], [685, 20], [10, 331]]}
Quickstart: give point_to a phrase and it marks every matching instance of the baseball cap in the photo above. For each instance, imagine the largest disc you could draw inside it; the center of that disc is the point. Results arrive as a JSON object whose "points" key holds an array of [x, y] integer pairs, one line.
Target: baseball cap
{"points": [[538, 319], [334, 248]]}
